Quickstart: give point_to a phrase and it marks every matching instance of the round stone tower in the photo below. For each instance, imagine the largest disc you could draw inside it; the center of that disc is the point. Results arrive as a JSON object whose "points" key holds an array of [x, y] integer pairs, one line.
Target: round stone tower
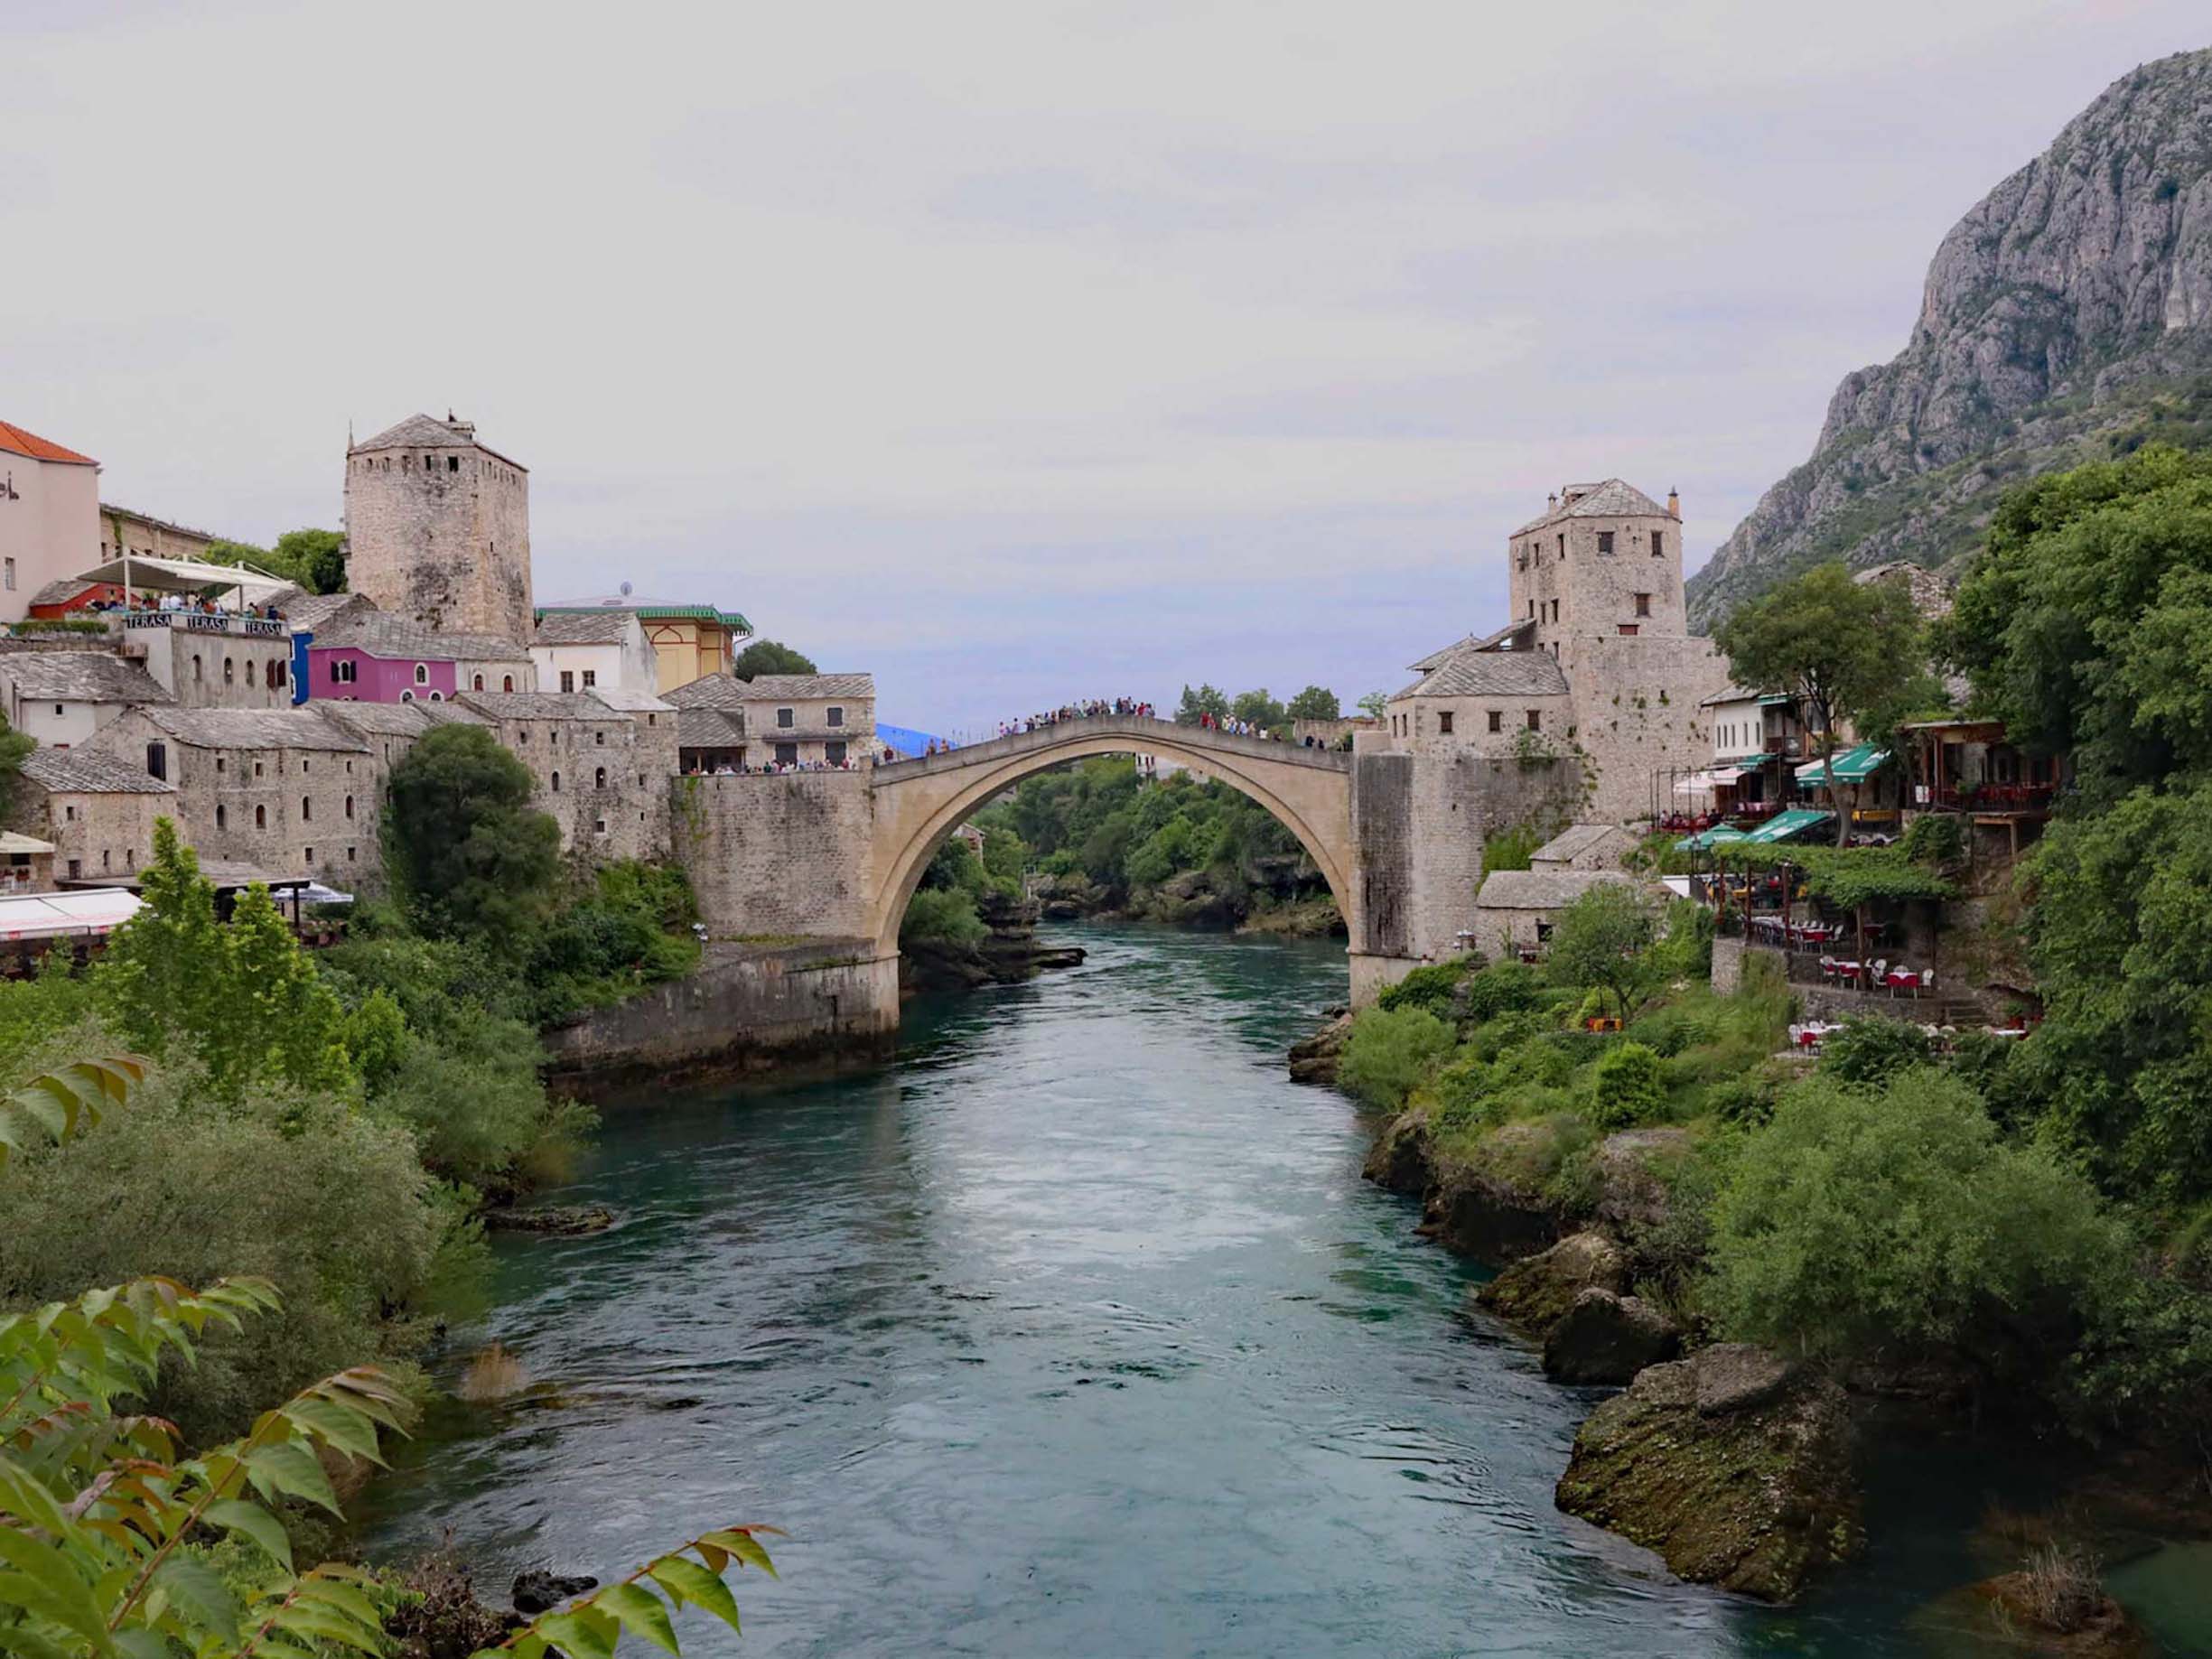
{"points": [[438, 528]]}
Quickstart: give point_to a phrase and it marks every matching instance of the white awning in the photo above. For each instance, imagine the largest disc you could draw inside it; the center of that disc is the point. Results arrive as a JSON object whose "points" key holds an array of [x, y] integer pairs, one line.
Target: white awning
{"points": [[1696, 783], [48, 916], [1725, 774], [187, 576]]}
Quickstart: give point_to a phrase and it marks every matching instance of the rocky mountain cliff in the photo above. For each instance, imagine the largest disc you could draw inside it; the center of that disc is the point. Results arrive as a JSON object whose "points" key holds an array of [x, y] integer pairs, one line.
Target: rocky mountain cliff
{"points": [[2067, 317]]}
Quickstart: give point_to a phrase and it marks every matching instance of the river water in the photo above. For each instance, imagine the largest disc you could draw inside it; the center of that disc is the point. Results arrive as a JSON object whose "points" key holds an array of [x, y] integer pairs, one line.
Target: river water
{"points": [[1073, 1332]]}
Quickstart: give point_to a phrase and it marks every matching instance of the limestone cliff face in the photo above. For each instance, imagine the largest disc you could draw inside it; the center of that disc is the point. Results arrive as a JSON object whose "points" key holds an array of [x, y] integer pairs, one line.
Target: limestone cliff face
{"points": [[2067, 317]]}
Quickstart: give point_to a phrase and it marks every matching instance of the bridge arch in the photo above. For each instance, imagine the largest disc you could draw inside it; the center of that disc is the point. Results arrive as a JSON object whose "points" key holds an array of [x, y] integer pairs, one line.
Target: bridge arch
{"points": [[918, 803]]}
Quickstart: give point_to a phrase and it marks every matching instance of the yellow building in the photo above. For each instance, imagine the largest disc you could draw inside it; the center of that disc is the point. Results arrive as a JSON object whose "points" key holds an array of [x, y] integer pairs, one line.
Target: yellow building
{"points": [[687, 640]]}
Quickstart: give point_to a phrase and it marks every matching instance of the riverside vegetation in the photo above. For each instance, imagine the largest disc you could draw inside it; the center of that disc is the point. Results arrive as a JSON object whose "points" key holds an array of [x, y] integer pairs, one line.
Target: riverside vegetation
{"points": [[2020, 1227], [283, 1176]]}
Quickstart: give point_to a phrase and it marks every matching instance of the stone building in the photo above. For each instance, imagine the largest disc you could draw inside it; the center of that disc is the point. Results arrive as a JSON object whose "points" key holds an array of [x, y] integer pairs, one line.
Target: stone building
{"points": [[810, 719], [370, 658], [62, 697], [1595, 586], [603, 773], [581, 650], [1584, 847], [1477, 696], [710, 724], [689, 640], [210, 662], [438, 528], [1516, 908], [144, 538], [50, 505], [284, 790], [26, 864], [97, 810]]}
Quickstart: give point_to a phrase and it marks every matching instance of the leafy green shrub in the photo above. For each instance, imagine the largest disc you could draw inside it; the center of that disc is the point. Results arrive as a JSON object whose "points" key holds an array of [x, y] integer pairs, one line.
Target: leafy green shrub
{"points": [[1667, 1031], [1935, 838], [1871, 1050], [1536, 1062], [1628, 1086], [1684, 950], [1491, 1038], [1863, 1219], [941, 916], [1602, 942], [328, 1203], [1746, 1099], [1389, 1052], [1507, 987], [1430, 986], [1511, 849]]}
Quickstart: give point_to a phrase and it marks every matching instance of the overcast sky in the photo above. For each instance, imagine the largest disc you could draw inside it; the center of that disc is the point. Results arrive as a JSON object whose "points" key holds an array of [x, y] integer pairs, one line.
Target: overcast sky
{"points": [[1016, 352]]}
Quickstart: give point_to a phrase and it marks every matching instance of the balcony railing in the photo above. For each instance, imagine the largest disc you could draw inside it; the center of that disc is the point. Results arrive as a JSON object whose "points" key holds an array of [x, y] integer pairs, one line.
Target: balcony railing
{"points": [[200, 622], [1991, 797]]}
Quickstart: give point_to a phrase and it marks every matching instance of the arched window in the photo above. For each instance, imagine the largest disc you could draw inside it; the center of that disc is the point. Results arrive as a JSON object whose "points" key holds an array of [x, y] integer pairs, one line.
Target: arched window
{"points": [[422, 674], [507, 682], [556, 783], [349, 806], [599, 778], [437, 697], [477, 683], [307, 808], [229, 671], [407, 697], [261, 817], [196, 673]]}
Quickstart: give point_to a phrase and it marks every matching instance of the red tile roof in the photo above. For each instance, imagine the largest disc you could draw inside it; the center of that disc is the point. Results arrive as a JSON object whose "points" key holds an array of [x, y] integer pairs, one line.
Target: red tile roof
{"points": [[17, 442]]}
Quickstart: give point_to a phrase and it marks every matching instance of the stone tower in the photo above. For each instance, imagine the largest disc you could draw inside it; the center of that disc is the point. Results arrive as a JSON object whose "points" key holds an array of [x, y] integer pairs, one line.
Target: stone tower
{"points": [[438, 528], [1603, 560]]}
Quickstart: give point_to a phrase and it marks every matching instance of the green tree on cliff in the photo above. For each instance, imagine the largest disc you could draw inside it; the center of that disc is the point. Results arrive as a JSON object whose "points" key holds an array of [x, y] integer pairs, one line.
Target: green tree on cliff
{"points": [[465, 847], [1314, 702], [1258, 709], [1844, 648], [313, 559], [767, 656]]}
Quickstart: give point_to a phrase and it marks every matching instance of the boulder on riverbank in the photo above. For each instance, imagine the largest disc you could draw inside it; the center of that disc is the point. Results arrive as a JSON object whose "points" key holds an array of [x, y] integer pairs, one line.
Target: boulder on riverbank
{"points": [[1398, 1162], [1497, 1209], [1606, 1337], [1732, 1464], [1536, 1291], [1313, 1060], [540, 1591]]}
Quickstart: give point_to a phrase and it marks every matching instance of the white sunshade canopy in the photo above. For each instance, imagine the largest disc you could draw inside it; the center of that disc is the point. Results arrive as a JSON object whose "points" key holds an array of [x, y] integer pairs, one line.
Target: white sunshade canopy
{"points": [[187, 576], [1696, 783], [49, 916]]}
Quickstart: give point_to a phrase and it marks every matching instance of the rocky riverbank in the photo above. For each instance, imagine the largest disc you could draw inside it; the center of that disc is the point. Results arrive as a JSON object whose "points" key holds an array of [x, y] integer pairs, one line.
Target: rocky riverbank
{"points": [[1279, 905], [1008, 953]]}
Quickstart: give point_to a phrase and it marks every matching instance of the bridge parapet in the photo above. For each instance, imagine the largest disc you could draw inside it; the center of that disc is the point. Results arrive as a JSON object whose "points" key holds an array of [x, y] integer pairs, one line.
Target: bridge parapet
{"points": [[1146, 737]]}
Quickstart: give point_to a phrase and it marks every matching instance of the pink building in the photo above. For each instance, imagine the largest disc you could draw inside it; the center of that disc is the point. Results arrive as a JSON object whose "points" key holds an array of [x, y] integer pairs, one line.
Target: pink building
{"points": [[377, 658]]}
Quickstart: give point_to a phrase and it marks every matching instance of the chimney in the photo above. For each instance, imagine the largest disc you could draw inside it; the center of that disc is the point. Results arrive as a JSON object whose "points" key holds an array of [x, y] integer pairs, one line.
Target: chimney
{"points": [[1674, 503], [464, 429], [1551, 502]]}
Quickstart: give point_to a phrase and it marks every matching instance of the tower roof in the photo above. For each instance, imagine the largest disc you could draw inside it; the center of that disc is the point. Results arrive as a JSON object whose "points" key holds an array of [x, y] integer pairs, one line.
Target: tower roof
{"points": [[1611, 497], [419, 432]]}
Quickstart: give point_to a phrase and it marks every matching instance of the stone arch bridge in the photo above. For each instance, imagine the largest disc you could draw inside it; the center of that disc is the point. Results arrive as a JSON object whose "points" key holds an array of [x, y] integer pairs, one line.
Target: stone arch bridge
{"points": [[823, 858]]}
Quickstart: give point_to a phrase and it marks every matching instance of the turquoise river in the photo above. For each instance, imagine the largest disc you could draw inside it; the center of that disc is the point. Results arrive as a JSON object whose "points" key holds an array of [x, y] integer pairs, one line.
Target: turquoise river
{"points": [[1073, 1331]]}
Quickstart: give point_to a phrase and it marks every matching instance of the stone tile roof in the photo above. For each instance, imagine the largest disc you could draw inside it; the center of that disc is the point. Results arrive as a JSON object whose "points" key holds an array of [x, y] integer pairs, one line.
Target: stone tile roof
{"points": [[709, 729], [535, 704], [709, 691], [1473, 642], [384, 718], [16, 441], [448, 715], [1472, 672], [80, 677], [415, 432], [397, 640], [629, 700], [315, 611], [61, 592], [1611, 497], [1572, 843], [584, 628], [793, 687], [256, 729], [85, 771], [1539, 890]]}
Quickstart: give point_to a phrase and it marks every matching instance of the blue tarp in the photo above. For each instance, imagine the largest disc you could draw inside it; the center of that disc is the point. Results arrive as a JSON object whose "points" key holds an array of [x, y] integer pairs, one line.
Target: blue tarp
{"points": [[906, 740]]}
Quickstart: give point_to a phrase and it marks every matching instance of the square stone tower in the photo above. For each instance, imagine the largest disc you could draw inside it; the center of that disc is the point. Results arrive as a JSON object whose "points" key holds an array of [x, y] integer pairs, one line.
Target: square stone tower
{"points": [[438, 528], [1603, 559]]}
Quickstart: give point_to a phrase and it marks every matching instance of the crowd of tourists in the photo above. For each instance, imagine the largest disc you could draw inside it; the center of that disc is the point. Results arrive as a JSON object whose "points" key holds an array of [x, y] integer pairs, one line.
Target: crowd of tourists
{"points": [[186, 602], [727, 768], [1093, 708]]}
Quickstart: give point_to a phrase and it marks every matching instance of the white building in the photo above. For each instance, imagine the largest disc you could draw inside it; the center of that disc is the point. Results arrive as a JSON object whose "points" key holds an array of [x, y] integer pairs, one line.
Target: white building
{"points": [[594, 651], [62, 697]]}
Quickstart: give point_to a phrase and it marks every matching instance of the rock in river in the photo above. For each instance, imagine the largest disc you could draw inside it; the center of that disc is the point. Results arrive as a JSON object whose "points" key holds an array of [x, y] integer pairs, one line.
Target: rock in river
{"points": [[1732, 1464], [538, 1591], [1536, 1291], [1608, 1338]]}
